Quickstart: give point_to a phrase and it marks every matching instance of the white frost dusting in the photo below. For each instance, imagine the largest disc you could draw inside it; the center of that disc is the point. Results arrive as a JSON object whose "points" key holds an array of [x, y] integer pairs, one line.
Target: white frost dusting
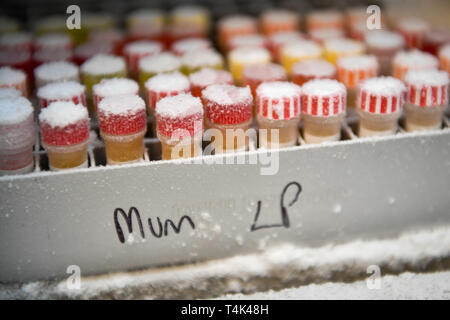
{"points": [[115, 86], [323, 87], [302, 48], [189, 44], [383, 86], [314, 67], [174, 81], [413, 248], [9, 93], [202, 58], [404, 286], [363, 62], [225, 94], [427, 77], [60, 90], [121, 104], [249, 55], [384, 39], [9, 76], [56, 71], [416, 59], [162, 62], [63, 113], [103, 64], [179, 106], [14, 110], [207, 76], [278, 90]]}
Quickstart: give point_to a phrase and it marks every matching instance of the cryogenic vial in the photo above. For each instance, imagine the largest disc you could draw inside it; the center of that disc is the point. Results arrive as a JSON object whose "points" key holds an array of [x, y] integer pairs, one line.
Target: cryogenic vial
{"points": [[65, 134], [323, 108], [179, 122], [229, 111], [123, 123], [427, 99], [278, 112], [380, 102]]}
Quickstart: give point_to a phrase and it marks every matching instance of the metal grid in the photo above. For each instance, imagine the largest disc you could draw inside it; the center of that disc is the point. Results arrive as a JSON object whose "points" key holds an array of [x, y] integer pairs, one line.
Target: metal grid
{"points": [[152, 152]]}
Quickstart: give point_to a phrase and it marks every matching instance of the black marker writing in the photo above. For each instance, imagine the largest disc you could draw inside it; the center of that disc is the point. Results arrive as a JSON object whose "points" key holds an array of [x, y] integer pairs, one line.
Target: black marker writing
{"points": [[284, 214]]}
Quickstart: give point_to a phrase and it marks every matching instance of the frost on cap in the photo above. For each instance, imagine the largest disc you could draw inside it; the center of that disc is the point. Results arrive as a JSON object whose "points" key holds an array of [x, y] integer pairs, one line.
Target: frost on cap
{"points": [[302, 48], [416, 58], [265, 72], [143, 47], [103, 64], [60, 90], [323, 98], [342, 45], [114, 86], [413, 60], [385, 86], [279, 39], [250, 40], [384, 40], [354, 69], [382, 95], [174, 81], [202, 58], [427, 88], [207, 76], [323, 87], [64, 123], [428, 77], [363, 62], [278, 89], [62, 114], [279, 100], [122, 114], [10, 76], [122, 104], [179, 106], [314, 68], [249, 55], [9, 92], [56, 71], [227, 104], [180, 47], [14, 110], [158, 63]]}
